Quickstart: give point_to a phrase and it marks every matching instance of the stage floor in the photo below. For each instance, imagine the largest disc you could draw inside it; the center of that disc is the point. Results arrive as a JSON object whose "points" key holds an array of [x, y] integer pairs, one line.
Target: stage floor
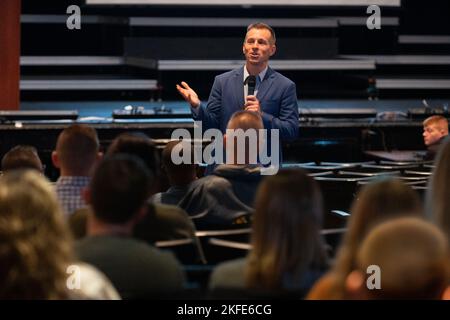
{"points": [[320, 139], [101, 111]]}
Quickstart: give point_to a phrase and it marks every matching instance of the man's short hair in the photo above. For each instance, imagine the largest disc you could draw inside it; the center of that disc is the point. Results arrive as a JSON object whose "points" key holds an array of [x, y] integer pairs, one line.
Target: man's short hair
{"points": [[177, 169], [139, 145], [245, 120], [438, 121], [77, 147], [243, 136], [119, 187], [412, 255], [260, 25], [22, 157]]}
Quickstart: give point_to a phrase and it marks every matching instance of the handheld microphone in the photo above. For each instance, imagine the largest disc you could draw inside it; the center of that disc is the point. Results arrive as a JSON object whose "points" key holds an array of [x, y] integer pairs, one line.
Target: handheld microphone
{"points": [[251, 82]]}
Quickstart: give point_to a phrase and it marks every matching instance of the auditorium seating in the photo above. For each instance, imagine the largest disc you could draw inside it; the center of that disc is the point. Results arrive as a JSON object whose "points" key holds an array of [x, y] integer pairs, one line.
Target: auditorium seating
{"points": [[187, 251], [217, 250]]}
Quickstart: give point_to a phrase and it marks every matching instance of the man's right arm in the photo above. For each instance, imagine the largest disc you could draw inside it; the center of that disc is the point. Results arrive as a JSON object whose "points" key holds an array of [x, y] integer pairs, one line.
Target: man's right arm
{"points": [[209, 114], [188, 94]]}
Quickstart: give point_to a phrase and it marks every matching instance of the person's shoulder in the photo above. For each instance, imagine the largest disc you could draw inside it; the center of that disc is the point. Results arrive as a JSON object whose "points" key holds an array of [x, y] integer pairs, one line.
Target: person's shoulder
{"points": [[158, 259], [228, 274], [281, 78], [94, 285], [229, 74], [207, 182], [86, 243], [162, 209], [325, 288], [212, 183], [173, 219], [143, 251], [107, 244], [231, 266]]}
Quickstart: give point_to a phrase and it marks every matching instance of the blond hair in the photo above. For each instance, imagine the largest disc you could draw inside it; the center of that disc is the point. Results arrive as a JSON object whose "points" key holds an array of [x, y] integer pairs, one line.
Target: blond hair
{"points": [[439, 121], [35, 245]]}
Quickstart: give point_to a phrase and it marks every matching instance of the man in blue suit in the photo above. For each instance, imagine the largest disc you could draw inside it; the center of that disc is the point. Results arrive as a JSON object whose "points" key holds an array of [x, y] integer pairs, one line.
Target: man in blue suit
{"points": [[275, 97]]}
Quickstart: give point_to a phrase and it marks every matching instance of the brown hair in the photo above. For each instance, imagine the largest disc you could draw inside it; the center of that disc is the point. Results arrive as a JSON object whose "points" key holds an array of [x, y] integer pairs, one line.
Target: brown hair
{"points": [[22, 157], [381, 200], [245, 120], [260, 25], [240, 128], [119, 188], [137, 144], [77, 148], [287, 222], [178, 174], [413, 257], [35, 245]]}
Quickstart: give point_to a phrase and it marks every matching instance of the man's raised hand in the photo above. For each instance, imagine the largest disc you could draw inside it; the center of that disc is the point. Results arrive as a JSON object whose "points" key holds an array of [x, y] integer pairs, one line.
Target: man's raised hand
{"points": [[188, 94]]}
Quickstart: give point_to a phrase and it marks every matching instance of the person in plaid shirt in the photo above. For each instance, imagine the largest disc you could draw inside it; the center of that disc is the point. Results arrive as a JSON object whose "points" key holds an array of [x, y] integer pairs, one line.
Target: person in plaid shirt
{"points": [[76, 153]]}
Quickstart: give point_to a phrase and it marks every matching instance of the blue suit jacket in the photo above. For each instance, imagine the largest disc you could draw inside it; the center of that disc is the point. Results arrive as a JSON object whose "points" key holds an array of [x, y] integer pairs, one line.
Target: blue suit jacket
{"points": [[276, 94]]}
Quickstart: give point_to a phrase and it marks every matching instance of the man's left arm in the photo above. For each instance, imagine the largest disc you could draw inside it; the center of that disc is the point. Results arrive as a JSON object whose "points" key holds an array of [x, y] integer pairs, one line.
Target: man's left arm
{"points": [[287, 121]]}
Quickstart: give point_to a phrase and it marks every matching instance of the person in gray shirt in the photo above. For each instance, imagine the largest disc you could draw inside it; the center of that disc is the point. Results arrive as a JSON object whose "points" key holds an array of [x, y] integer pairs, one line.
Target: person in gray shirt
{"points": [[118, 193]]}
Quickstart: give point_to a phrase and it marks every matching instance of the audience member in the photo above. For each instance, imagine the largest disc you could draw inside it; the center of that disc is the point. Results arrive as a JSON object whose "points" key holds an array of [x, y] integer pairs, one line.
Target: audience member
{"points": [[228, 193], [36, 249], [287, 250], [76, 153], [140, 145], [180, 175], [161, 222], [379, 201], [118, 194], [22, 157], [435, 129], [405, 258]]}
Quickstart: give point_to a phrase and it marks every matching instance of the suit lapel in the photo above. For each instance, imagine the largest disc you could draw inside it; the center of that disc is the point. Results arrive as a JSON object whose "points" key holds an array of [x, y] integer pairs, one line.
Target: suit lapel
{"points": [[238, 83], [265, 85]]}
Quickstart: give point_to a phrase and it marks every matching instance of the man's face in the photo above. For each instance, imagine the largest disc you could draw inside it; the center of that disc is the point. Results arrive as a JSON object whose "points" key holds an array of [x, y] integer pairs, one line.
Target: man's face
{"points": [[257, 47], [431, 134]]}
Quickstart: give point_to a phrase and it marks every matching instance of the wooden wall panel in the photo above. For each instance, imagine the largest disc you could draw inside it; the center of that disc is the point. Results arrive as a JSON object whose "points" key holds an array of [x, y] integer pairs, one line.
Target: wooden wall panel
{"points": [[10, 54]]}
